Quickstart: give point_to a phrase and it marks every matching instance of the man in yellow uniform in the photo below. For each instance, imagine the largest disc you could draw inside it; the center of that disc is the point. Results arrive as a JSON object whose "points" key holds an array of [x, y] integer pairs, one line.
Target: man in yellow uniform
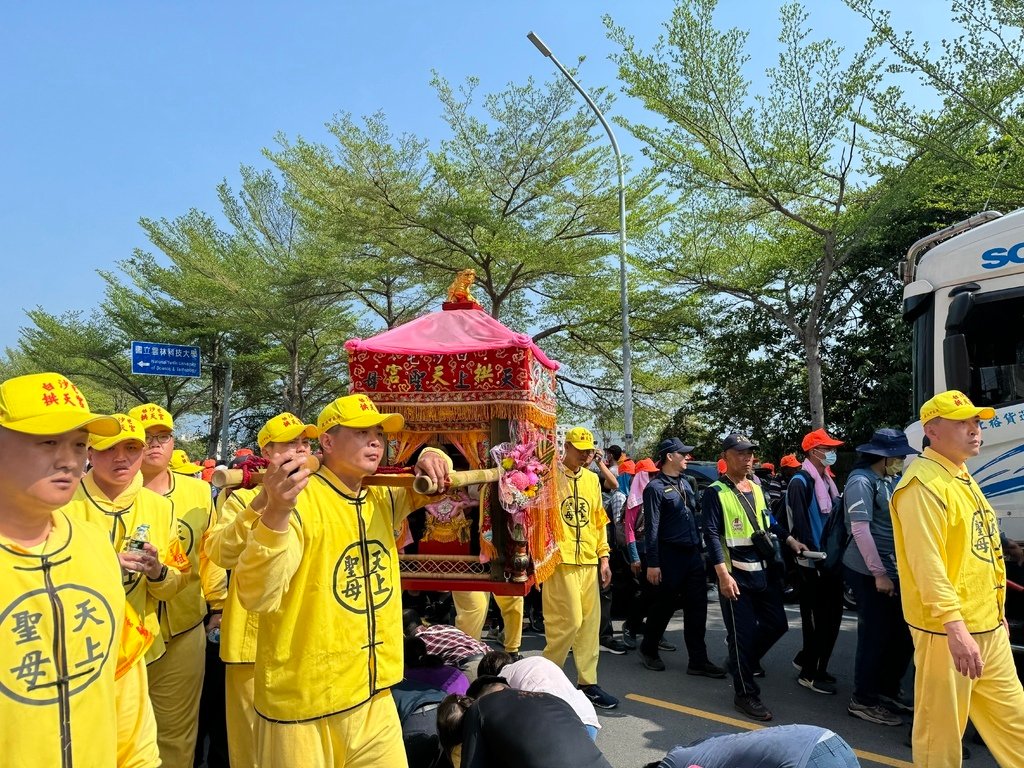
{"points": [[237, 514], [953, 587], [62, 606], [176, 679], [572, 615], [321, 567], [111, 495]]}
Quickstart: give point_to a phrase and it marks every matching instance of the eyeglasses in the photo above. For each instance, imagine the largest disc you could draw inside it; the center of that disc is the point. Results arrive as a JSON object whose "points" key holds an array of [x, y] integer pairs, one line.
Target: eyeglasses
{"points": [[162, 439]]}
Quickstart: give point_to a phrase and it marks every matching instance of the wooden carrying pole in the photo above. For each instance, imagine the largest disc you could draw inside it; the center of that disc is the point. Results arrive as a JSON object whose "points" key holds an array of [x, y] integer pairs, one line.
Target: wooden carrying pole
{"points": [[231, 478]]}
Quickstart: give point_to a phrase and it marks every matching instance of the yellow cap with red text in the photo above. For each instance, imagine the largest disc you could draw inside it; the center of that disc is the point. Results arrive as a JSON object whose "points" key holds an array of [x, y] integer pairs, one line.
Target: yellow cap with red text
{"points": [[953, 405], [580, 438], [152, 415], [284, 428], [357, 412], [130, 430], [181, 465], [49, 404]]}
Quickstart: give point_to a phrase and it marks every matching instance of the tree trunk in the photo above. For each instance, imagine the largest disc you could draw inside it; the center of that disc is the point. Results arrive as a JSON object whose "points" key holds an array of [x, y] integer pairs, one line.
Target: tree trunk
{"points": [[216, 400], [291, 403], [812, 356]]}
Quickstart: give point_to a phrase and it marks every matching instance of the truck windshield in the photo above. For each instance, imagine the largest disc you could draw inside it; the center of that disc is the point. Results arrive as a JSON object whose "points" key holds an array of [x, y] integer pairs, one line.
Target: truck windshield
{"points": [[995, 344]]}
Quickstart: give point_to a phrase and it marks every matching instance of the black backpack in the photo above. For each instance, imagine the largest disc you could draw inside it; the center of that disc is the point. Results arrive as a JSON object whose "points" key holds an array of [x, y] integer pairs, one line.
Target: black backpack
{"points": [[835, 536]]}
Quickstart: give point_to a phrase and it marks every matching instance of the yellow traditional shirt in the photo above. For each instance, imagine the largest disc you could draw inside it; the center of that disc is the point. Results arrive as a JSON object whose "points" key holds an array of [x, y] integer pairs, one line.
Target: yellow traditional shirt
{"points": [[584, 521], [120, 517], [62, 613], [224, 543], [207, 584], [328, 591], [948, 554]]}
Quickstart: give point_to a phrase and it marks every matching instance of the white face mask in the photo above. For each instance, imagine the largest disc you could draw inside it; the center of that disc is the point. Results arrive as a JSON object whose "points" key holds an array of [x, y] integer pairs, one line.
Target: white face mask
{"points": [[828, 458]]}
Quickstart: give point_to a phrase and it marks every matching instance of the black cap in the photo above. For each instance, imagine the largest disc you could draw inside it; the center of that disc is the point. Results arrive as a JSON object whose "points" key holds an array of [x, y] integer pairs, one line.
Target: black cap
{"points": [[672, 445], [738, 441]]}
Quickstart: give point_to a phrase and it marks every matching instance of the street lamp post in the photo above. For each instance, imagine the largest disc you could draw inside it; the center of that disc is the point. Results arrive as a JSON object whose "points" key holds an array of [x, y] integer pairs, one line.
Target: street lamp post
{"points": [[627, 366]]}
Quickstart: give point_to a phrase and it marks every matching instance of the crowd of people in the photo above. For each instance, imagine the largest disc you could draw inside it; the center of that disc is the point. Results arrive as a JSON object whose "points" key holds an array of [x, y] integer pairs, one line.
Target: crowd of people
{"points": [[126, 578]]}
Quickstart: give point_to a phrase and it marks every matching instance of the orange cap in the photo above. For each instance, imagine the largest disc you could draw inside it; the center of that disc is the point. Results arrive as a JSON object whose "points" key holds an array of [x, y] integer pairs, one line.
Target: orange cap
{"points": [[627, 467], [768, 465], [818, 438], [646, 465], [790, 460]]}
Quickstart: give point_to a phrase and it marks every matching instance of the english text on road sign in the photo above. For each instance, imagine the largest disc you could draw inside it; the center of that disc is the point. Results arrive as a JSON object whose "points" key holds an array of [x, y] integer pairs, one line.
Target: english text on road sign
{"points": [[152, 358]]}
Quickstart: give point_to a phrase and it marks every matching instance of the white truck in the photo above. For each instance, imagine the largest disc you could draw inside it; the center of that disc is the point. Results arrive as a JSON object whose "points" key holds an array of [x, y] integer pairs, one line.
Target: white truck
{"points": [[964, 295]]}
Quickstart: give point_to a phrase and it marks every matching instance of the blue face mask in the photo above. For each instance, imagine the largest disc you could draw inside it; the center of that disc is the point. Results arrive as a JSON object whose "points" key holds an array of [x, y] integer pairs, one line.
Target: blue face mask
{"points": [[829, 458]]}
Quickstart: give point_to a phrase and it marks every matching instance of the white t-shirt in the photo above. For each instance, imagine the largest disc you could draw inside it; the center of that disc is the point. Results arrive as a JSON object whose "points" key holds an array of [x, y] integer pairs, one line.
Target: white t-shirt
{"points": [[535, 673]]}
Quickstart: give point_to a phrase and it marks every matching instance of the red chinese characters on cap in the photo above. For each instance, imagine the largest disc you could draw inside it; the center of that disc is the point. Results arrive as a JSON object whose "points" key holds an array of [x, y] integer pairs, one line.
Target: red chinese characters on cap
{"points": [[71, 395]]}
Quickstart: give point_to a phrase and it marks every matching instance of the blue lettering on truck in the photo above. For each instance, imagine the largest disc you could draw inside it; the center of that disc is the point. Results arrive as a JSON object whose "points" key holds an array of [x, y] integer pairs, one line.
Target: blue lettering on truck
{"points": [[996, 258]]}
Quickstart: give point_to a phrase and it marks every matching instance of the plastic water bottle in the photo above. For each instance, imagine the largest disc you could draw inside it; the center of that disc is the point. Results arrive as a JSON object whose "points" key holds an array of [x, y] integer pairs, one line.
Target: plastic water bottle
{"points": [[213, 636], [139, 539]]}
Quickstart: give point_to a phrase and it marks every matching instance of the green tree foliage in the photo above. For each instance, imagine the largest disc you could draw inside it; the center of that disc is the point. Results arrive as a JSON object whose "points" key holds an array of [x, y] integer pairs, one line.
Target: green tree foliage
{"points": [[523, 192], [766, 180], [977, 73]]}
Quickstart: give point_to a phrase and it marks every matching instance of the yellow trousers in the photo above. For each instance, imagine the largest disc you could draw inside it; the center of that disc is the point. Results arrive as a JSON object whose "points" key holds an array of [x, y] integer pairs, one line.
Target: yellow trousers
{"points": [[471, 613], [136, 726], [572, 618], [943, 700], [175, 684], [240, 715], [367, 736]]}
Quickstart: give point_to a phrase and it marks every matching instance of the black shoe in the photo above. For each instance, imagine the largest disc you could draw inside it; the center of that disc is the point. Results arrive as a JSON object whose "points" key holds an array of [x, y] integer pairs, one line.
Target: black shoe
{"points": [[706, 669], [599, 698], [516, 657], [629, 639], [817, 685], [537, 623], [876, 713], [898, 706], [664, 645], [614, 645], [752, 707], [652, 662], [825, 676], [758, 671]]}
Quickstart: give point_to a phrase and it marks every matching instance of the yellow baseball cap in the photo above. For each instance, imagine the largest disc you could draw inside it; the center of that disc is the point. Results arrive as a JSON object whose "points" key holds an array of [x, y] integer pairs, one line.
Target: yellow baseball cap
{"points": [[284, 428], [49, 404], [357, 412], [130, 430], [580, 438], [181, 465], [953, 405], [152, 415]]}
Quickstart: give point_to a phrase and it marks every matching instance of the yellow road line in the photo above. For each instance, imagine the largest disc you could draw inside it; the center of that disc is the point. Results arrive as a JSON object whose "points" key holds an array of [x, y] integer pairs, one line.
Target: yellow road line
{"points": [[748, 726]]}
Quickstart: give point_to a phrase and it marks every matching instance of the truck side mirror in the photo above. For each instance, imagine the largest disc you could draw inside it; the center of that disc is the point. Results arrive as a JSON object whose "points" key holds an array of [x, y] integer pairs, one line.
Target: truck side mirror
{"points": [[959, 309], [957, 361]]}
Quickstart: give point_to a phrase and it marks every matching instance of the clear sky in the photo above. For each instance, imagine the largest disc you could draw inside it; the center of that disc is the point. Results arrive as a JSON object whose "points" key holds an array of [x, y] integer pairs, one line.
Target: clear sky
{"points": [[116, 110]]}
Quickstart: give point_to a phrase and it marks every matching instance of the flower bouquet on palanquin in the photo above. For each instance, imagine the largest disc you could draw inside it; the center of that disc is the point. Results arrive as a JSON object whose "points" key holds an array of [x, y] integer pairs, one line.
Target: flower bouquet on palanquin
{"points": [[521, 479], [522, 476]]}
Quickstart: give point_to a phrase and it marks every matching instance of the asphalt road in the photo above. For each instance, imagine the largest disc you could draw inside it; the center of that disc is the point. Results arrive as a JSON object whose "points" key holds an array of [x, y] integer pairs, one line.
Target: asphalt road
{"points": [[658, 710]]}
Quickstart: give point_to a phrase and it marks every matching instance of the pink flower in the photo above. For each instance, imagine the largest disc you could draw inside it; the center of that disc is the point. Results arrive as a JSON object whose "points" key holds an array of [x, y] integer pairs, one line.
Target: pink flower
{"points": [[517, 480]]}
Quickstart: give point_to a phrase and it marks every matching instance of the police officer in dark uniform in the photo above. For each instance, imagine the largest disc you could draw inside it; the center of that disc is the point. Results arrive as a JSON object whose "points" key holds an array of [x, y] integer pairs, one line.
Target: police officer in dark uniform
{"points": [[675, 565], [736, 519]]}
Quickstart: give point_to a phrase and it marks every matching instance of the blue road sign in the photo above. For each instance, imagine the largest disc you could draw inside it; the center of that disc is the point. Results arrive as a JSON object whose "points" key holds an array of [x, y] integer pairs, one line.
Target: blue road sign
{"points": [[150, 358]]}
